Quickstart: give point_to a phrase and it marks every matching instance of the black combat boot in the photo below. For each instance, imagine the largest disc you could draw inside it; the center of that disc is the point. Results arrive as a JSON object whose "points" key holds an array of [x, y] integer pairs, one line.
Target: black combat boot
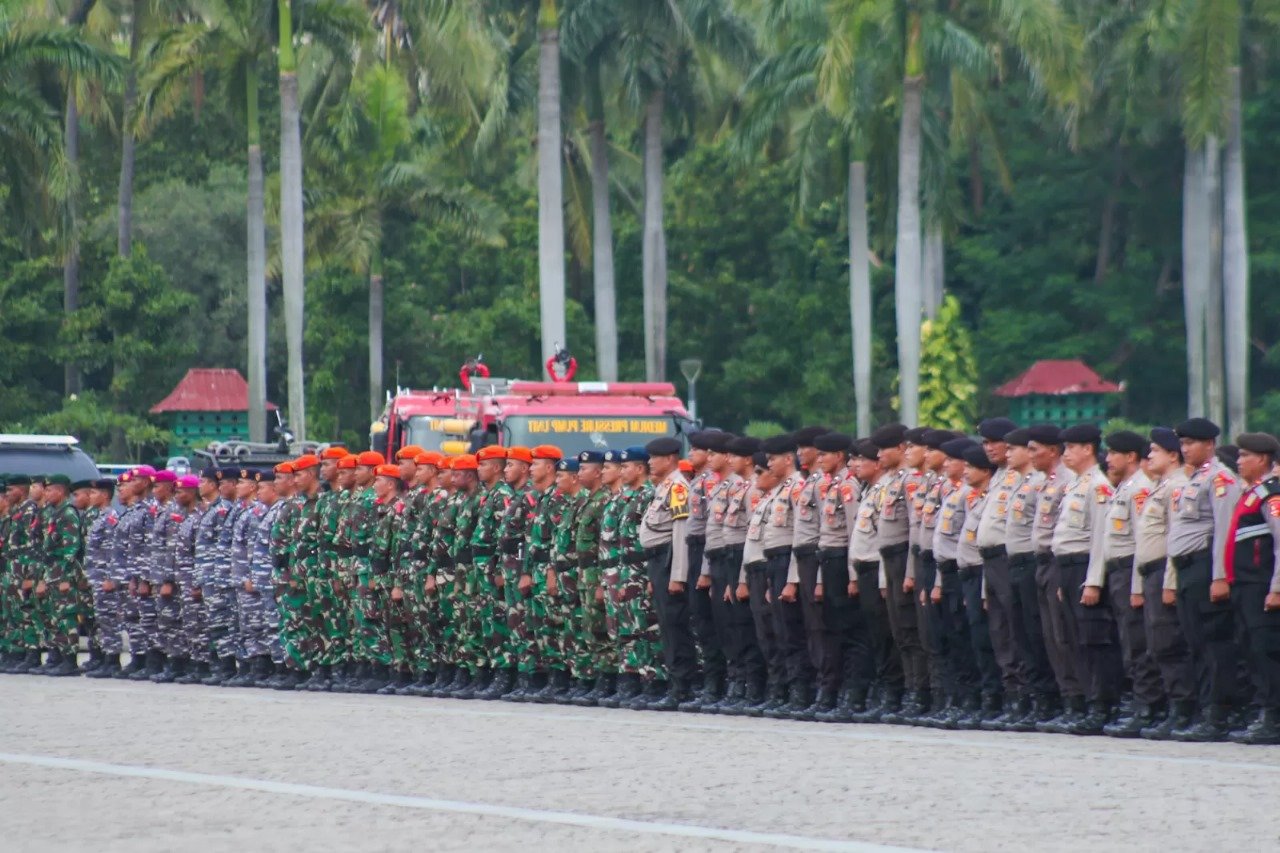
{"points": [[1072, 711], [379, 677], [1026, 722], [1182, 713], [556, 690], [1094, 720], [196, 671], [775, 696], [265, 672], [520, 688], [420, 684], [606, 686], [654, 691], [734, 693], [1212, 727], [219, 672], [399, 679], [144, 670], [592, 696], [63, 666], [504, 681], [95, 659], [110, 666], [1263, 730], [244, 674], [461, 683], [137, 663], [170, 672], [906, 712], [156, 660], [795, 702], [824, 700], [1141, 716], [628, 688], [1013, 710], [678, 693], [444, 681]]}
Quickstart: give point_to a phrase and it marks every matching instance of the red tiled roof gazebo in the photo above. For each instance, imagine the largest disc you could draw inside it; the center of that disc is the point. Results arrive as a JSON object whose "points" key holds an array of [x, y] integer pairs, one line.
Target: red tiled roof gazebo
{"points": [[1058, 391], [209, 404]]}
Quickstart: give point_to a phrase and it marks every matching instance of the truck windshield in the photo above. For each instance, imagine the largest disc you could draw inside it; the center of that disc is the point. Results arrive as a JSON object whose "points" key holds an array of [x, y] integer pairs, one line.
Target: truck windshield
{"points": [[425, 431], [576, 434]]}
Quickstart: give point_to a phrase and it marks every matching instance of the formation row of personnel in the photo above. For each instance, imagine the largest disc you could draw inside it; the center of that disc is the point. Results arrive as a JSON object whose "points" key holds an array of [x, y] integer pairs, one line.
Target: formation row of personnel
{"points": [[914, 577]]}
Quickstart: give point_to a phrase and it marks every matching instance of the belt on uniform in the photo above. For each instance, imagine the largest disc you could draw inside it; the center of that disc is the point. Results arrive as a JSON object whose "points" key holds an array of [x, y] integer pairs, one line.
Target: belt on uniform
{"points": [[993, 551], [1184, 560], [948, 567], [866, 565], [1024, 558], [511, 547], [1150, 567], [464, 555], [360, 550], [829, 553], [657, 551], [479, 553], [716, 553], [926, 554], [1068, 560], [1117, 563], [696, 540], [344, 551], [894, 550], [804, 550], [782, 551], [915, 550], [538, 555]]}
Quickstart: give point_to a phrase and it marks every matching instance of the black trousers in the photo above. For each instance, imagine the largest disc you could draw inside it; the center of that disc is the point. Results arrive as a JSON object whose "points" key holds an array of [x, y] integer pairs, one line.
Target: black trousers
{"points": [[1165, 643], [788, 624], [733, 620], [960, 671], [1209, 628], [902, 620], [850, 650], [1259, 635], [1139, 666], [762, 617], [999, 601], [678, 650], [1097, 648], [701, 620], [818, 637], [984, 658], [875, 613], [1028, 629], [927, 620], [1059, 637]]}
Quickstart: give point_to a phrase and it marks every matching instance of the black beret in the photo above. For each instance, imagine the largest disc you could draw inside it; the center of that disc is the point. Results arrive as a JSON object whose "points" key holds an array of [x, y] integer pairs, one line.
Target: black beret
{"points": [[703, 439], [106, 485], [744, 446], [995, 429], [805, 435], [956, 447], [1125, 441], [1045, 434], [570, 465], [832, 442], [776, 444], [264, 476], [19, 480], [866, 448], [587, 456], [889, 435], [58, 480], [917, 435], [1081, 434], [1229, 455], [1258, 442], [977, 457], [1019, 437], [935, 438], [81, 484], [210, 473], [760, 459], [720, 441], [1200, 429], [228, 473], [1166, 438], [663, 447]]}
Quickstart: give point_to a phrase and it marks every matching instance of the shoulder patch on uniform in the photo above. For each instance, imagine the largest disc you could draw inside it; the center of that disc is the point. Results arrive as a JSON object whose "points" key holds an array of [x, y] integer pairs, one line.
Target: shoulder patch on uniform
{"points": [[1104, 492], [1220, 482], [1140, 499], [971, 498], [1273, 505]]}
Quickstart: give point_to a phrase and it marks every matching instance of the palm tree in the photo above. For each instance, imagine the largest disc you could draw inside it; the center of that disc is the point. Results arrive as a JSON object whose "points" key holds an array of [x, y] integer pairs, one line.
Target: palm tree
{"points": [[550, 182], [291, 246], [76, 18], [374, 165]]}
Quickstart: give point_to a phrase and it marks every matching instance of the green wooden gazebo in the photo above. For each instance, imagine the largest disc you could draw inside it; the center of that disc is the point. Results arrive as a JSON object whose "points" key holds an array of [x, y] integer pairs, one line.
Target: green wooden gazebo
{"points": [[209, 404], [1058, 391]]}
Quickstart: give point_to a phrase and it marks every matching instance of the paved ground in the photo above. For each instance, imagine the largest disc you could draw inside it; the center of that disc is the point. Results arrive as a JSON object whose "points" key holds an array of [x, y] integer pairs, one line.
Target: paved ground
{"points": [[213, 769]]}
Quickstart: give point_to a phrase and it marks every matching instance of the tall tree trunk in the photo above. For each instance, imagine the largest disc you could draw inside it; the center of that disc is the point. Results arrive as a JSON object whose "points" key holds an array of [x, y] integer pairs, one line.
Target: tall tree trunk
{"points": [[1215, 379], [124, 196], [654, 252], [550, 187], [1235, 266], [291, 247], [1106, 229], [71, 260], [860, 294], [933, 269], [1195, 276], [908, 255], [256, 244], [375, 341], [602, 234]]}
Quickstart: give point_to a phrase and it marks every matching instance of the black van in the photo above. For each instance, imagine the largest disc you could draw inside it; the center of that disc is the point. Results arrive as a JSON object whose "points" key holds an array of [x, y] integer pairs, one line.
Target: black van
{"points": [[43, 455]]}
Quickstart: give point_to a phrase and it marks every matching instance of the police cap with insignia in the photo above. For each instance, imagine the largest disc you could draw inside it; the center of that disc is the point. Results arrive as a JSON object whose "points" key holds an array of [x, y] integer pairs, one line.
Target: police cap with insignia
{"points": [[995, 429], [1126, 441], [664, 446], [917, 435], [634, 454], [591, 457], [744, 446], [866, 449], [105, 485], [889, 435], [776, 445], [703, 439], [1081, 434], [956, 447], [1166, 439], [1019, 437], [935, 438], [976, 457], [805, 436], [1259, 442], [1045, 434], [1198, 429], [833, 442]]}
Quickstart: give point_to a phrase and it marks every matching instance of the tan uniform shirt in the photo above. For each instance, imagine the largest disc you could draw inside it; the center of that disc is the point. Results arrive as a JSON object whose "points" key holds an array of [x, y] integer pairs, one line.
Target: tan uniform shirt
{"points": [[839, 512], [863, 539], [1020, 525], [1082, 522], [1151, 532], [1048, 503], [755, 505], [1202, 511], [893, 524], [1126, 505], [993, 525], [967, 547], [666, 522], [951, 517], [806, 502]]}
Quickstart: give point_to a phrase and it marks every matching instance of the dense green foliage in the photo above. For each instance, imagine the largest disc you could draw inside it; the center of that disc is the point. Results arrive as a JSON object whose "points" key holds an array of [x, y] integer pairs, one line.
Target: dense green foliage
{"points": [[759, 283]]}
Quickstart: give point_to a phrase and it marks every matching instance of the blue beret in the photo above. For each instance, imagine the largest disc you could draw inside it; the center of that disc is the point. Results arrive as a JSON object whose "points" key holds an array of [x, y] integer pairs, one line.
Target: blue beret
{"points": [[975, 456], [634, 454], [210, 473], [956, 447], [1167, 439], [995, 429], [570, 465], [596, 456]]}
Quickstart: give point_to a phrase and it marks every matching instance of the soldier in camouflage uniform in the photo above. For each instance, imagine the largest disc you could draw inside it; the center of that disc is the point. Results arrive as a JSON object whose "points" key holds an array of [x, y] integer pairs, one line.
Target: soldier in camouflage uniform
{"points": [[251, 654], [304, 644], [356, 530], [520, 647], [486, 637], [218, 587], [565, 616], [58, 588], [129, 549], [539, 648], [402, 623], [289, 631], [381, 592], [100, 524], [327, 599], [82, 498], [430, 498], [594, 652], [174, 505], [453, 563], [204, 557], [18, 552], [175, 624], [626, 684]]}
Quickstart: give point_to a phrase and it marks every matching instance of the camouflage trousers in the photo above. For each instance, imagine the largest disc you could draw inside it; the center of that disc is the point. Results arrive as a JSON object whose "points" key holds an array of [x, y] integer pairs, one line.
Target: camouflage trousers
{"points": [[195, 628], [142, 622], [526, 618], [447, 616], [56, 614], [559, 640], [10, 612], [170, 637], [220, 604], [108, 612], [495, 634], [468, 637], [371, 642], [403, 632], [251, 623], [425, 613], [297, 635], [631, 621], [596, 653], [330, 602]]}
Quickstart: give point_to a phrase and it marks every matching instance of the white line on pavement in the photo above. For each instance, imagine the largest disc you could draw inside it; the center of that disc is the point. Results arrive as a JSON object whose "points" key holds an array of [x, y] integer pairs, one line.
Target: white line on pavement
{"points": [[589, 821]]}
